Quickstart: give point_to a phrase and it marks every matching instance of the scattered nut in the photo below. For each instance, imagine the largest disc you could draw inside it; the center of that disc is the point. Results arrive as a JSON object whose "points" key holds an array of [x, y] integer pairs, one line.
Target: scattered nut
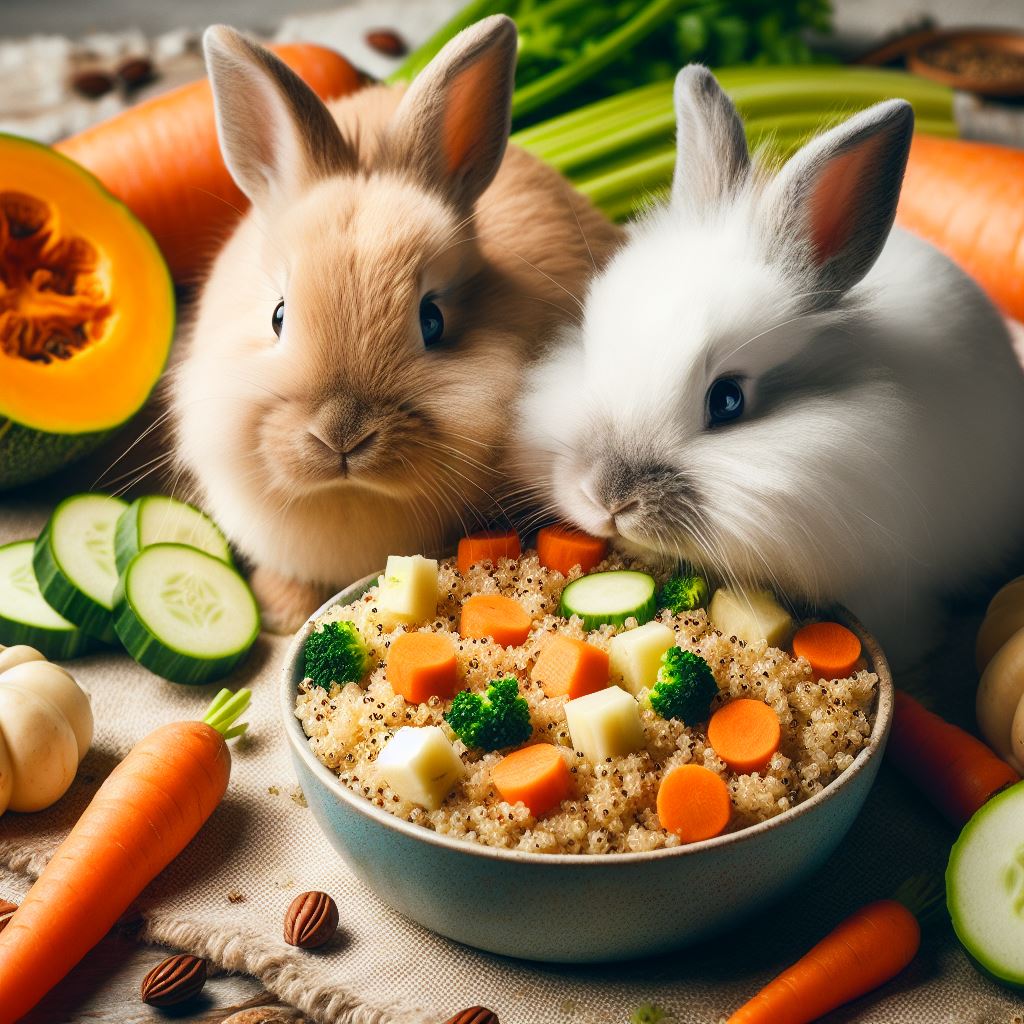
{"points": [[474, 1015], [311, 921], [174, 980], [6, 911], [92, 84], [136, 71], [387, 41]]}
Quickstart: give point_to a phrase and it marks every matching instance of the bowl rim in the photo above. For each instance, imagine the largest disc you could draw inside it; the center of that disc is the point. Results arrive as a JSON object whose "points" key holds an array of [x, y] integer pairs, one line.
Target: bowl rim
{"points": [[299, 743]]}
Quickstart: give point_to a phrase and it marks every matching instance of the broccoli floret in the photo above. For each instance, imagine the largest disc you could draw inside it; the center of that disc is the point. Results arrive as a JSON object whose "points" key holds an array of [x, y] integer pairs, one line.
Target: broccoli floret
{"points": [[685, 686], [501, 718], [683, 593], [648, 1014], [335, 653]]}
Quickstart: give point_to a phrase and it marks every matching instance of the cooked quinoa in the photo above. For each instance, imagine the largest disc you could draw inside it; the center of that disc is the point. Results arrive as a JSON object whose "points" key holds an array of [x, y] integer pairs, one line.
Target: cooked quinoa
{"points": [[613, 808]]}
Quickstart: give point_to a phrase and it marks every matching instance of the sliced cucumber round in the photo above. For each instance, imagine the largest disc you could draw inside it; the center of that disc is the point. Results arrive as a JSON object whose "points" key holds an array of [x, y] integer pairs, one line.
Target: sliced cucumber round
{"points": [[25, 617], [184, 614], [985, 886], [609, 598], [156, 519], [74, 562]]}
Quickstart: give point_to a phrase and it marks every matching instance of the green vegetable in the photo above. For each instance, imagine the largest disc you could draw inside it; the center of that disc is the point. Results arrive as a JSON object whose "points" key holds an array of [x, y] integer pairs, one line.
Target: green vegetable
{"points": [[648, 1014], [572, 52], [157, 519], [610, 598], [684, 593], [183, 614], [499, 719], [684, 688], [335, 653], [985, 886], [74, 562]]}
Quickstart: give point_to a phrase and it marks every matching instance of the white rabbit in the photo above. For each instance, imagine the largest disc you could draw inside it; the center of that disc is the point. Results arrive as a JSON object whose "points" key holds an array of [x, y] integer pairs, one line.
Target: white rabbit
{"points": [[771, 384], [421, 263]]}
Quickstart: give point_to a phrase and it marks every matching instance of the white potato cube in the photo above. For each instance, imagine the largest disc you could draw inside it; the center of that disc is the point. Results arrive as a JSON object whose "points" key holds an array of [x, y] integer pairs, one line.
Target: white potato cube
{"points": [[420, 765], [407, 593], [750, 615], [604, 724], [635, 656]]}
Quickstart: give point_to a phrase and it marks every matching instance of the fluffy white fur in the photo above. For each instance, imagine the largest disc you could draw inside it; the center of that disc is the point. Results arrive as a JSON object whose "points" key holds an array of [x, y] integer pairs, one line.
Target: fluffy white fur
{"points": [[877, 459]]}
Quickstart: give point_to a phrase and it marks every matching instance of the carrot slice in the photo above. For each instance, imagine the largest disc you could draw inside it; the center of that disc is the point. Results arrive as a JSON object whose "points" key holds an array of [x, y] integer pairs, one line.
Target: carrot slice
{"points": [[561, 547], [488, 546], [568, 667], [536, 776], [491, 615], [421, 666], [832, 650], [693, 802], [745, 733]]}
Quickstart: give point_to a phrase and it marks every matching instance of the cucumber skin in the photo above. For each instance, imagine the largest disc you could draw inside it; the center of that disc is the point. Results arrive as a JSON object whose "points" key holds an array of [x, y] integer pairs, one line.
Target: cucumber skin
{"points": [[642, 615], [62, 595], [53, 644], [160, 659], [1016, 791], [126, 534]]}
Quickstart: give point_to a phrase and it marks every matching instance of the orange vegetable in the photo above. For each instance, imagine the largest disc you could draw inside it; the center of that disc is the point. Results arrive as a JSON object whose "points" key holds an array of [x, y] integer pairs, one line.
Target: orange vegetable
{"points": [[161, 158], [145, 813], [492, 615], [832, 650], [421, 666], [693, 802], [568, 667], [562, 547], [488, 546], [868, 949], [745, 733], [536, 776], [955, 771], [968, 199]]}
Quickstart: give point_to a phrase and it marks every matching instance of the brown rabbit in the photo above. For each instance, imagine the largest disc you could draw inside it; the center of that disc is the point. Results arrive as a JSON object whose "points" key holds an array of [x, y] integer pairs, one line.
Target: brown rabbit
{"points": [[360, 342]]}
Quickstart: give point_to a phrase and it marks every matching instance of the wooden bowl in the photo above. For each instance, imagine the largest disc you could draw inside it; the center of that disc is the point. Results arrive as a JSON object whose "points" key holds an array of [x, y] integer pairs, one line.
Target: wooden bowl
{"points": [[989, 62]]}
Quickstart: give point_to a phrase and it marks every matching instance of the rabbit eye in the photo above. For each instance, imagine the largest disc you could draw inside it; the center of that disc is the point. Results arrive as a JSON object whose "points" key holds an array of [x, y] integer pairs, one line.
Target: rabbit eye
{"points": [[725, 401], [277, 320], [431, 322]]}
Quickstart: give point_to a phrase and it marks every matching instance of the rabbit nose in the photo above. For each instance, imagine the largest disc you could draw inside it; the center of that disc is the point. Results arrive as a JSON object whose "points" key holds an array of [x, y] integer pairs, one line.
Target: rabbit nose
{"points": [[355, 449]]}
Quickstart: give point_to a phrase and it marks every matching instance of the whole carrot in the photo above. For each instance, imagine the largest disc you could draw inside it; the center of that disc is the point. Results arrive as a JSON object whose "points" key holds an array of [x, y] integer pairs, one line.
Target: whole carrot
{"points": [[866, 950], [968, 199], [955, 771], [141, 818], [161, 158]]}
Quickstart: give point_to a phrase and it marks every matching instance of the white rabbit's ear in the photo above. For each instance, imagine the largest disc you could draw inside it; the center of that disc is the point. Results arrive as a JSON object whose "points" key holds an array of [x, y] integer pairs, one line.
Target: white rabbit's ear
{"points": [[451, 127], [712, 159], [833, 203], [275, 133]]}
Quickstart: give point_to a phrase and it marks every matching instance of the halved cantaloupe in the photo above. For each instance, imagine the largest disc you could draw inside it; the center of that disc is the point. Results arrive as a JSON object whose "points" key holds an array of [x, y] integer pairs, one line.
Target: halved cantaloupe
{"points": [[86, 311]]}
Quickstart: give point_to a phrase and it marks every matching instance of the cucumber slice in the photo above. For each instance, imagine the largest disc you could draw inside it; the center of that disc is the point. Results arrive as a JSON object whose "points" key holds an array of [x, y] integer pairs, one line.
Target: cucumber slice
{"points": [[74, 562], [609, 598], [159, 520], [985, 886], [25, 618], [184, 614]]}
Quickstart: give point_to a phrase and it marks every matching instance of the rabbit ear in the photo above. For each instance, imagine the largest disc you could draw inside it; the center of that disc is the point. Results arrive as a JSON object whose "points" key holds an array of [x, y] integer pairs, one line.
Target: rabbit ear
{"points": [[712, 160], [835, 200], [452, 125], [275, 133]]}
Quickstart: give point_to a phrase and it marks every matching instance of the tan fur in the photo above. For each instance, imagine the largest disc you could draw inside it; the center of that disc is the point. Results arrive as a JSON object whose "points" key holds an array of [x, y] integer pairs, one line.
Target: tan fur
{"points": [[261, 421]]}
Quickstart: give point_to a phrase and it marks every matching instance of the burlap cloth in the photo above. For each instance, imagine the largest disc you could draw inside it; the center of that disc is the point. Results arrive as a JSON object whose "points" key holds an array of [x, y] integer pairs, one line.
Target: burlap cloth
{"points": [[225, 896]]}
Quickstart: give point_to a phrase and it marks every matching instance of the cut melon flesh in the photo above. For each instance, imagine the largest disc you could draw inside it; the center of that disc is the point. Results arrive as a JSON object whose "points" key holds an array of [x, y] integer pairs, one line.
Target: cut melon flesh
{"points": [[985, 886]]}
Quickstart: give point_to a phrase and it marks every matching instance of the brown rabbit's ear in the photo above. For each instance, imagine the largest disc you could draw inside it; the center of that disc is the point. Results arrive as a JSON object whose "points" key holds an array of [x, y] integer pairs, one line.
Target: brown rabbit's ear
{"points": [[451, 127], [275, 133]]}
